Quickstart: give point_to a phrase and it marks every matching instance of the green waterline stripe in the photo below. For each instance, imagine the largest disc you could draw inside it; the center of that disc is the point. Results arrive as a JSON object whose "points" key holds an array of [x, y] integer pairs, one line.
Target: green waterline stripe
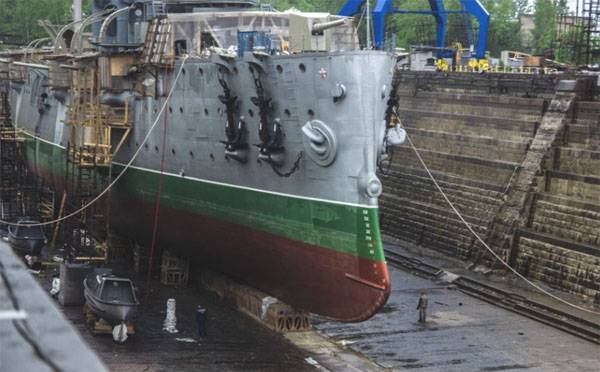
{"points": [[246, 188], [222, 183], [344, 227]]}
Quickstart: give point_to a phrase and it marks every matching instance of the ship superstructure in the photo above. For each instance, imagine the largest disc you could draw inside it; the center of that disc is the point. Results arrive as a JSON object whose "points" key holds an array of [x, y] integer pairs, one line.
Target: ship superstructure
{"points": [[263, 159]]}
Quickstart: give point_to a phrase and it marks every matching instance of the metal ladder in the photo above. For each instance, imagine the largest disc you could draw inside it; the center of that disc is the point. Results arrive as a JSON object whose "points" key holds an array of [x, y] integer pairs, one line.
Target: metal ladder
{"points": [[156, 45], [159, 7]]}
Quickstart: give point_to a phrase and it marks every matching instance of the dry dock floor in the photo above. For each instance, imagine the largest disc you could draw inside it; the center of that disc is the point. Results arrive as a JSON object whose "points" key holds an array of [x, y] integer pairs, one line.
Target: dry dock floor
{"points": [[234, 342], [462, 334]]}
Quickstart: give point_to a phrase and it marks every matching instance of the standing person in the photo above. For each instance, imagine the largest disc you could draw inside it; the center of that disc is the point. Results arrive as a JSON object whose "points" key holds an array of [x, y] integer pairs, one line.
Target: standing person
{"points": [[201, 319], [422, 307]]}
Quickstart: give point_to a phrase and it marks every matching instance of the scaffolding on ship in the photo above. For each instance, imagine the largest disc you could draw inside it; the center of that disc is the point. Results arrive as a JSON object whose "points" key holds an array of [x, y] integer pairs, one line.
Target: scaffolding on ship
{"points": [[96, 132], [20, 192]]}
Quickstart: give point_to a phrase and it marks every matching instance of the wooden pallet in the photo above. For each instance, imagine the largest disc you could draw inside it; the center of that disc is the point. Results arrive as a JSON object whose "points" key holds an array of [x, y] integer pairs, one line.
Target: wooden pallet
{"points": [[99, 326]]}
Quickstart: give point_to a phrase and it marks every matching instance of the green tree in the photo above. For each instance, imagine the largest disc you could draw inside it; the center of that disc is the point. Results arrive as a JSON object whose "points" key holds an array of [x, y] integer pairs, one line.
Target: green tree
{"points": [[504, 31], [20, 17], [309, 5], [570, 46], [545, 18], [411, 29]]}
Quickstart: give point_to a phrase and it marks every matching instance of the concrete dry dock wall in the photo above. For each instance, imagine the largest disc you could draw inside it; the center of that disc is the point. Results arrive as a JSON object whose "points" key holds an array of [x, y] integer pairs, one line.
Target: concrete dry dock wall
{"points": [[43, 340], [521, 161]]}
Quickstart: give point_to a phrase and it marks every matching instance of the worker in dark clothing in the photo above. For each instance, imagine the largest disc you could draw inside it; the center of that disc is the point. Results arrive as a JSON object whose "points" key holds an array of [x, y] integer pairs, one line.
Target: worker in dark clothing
{"points": [[422, 307], [201, 319]]}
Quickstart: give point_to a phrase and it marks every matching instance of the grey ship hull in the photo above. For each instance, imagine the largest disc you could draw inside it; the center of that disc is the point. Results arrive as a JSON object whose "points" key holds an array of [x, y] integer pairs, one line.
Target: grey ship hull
{"points": [[312, 239]]}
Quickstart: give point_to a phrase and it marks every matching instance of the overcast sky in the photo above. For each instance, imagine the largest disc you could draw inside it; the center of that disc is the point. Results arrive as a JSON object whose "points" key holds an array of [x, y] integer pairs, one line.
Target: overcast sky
{"points": [[573, 4]]}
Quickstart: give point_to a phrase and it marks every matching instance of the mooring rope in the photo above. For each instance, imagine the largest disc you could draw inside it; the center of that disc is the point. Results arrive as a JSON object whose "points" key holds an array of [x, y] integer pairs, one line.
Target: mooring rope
{"points": [[542, 290], [127, 166], [159, 187]]}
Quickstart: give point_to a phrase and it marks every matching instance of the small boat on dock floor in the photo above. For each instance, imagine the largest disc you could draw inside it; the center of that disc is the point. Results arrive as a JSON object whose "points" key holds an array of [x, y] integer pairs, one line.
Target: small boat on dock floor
{"points": [[26, 237], [110, 297]]}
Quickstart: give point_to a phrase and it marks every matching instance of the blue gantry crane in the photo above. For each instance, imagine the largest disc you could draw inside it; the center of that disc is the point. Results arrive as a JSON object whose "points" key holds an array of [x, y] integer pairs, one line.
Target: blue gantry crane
{"points": [[384, 8]]}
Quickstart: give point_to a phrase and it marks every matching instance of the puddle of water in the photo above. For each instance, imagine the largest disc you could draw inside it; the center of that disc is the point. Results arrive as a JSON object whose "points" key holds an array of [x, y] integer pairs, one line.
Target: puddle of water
{"points": [[506, 367], [452, 318], [388, 309], [452, 362]]}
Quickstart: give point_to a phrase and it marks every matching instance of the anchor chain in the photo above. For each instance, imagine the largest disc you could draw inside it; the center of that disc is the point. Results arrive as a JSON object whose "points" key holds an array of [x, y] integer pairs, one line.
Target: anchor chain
{"points": [[293, 170], [271, 140], [234, 134]]}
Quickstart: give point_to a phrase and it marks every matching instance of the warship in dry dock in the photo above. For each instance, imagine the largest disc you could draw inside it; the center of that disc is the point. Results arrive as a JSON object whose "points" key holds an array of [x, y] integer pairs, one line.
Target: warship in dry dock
{"points": [[263, 159]]}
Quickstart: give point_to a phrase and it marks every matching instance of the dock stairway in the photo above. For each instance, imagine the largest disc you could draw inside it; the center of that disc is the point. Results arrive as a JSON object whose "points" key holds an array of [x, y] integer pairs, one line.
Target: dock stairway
{"points": [[157, 44]]}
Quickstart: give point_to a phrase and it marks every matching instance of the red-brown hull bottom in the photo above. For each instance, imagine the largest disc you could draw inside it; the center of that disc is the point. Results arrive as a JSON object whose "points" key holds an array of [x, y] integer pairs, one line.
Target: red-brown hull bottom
{"points": [[308, 277], [320, 280]]}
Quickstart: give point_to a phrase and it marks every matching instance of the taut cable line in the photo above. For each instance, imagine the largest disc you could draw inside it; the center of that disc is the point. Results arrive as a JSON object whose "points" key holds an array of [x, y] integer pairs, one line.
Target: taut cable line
{"points": [[487, 247]]}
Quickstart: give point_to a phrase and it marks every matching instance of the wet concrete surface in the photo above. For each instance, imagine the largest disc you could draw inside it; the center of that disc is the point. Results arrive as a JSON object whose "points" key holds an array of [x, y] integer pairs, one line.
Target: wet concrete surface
{"points": [[462, 334], [501, 279], [234, 341]]}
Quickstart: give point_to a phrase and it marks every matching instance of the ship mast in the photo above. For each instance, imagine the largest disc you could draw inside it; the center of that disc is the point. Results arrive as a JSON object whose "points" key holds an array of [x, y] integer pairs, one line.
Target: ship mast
{"points": [[77, 12], [368, 25]]}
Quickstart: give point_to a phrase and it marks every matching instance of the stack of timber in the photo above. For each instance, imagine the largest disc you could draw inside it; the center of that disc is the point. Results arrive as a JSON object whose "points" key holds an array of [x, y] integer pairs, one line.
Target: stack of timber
{"points": [[267, 310]]}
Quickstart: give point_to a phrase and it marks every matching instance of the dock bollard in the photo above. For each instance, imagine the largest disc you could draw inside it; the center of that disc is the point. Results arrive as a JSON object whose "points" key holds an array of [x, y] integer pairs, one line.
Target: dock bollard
{"points": [[71, 283], [201, 319], [170, 323]]}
